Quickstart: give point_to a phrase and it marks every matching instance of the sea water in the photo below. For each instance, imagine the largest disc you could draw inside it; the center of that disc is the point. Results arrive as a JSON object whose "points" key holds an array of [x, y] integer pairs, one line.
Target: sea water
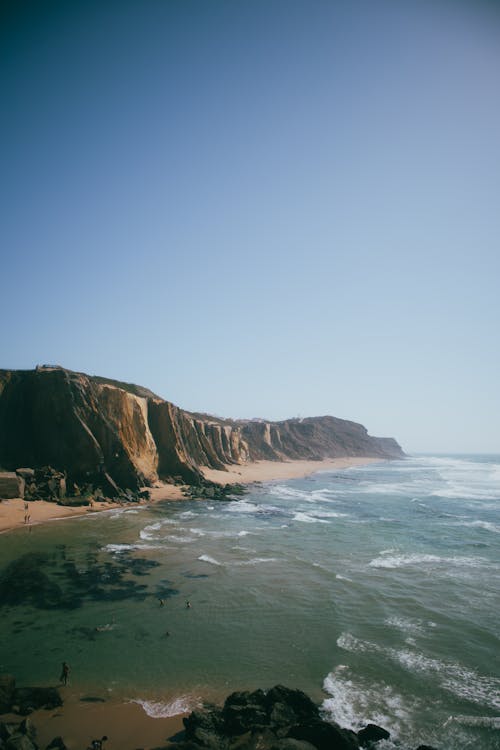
{"points": [[375, 589]]}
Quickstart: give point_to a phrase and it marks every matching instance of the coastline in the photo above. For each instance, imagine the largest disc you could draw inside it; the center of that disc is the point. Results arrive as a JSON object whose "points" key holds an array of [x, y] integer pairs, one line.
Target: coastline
{"points": [[270, 471], [79, 721], [41, 511]]}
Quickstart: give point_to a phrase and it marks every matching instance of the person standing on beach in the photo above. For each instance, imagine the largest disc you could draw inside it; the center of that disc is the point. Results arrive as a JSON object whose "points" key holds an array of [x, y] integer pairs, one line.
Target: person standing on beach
{"points": [[64, 673]]}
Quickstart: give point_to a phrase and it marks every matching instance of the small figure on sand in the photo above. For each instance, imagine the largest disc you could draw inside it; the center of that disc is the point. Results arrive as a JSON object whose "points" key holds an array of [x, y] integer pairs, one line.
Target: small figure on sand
{"points": [[162, 602], [97, 744], [64, 673], [167, 634], [188, 604]]}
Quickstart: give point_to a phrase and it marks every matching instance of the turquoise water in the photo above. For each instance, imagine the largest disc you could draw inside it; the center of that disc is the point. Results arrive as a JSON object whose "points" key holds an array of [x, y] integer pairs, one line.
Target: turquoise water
{"points": [[375, 589]]}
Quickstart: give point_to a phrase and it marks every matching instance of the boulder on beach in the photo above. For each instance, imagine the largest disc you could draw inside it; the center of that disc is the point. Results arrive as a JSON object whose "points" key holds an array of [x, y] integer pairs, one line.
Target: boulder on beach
{"points": [[11, 485]]}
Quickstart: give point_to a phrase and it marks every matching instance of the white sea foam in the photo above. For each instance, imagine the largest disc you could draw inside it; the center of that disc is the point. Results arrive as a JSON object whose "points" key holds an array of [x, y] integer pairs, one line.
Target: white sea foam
{"points": [[307, 518], [149, 532], [158, 710], [412, 626], [399, 561], [355, 702], [486, 722], [208, 559], [117, 548], [241, 506], [456, 678], [255, 561], [343, 578]]}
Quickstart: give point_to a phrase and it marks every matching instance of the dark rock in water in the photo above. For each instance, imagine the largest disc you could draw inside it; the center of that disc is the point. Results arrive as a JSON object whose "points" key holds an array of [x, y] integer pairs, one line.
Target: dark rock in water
{"points": [[371, 734], [287, 743], [29, 699], [425, 747], [7, 687], [281, 719], [325, 735], [295, 700], [57, 744], [244, 711]]}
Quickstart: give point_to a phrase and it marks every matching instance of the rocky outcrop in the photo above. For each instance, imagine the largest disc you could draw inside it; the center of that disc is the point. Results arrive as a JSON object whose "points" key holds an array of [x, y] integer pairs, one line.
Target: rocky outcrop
{"points": [[11, 485], [115, 435], [279, 719]]}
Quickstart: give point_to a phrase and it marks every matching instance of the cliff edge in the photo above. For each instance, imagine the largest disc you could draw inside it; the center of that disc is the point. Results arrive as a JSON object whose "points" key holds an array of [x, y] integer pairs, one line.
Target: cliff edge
{"points": [[118, 435]]}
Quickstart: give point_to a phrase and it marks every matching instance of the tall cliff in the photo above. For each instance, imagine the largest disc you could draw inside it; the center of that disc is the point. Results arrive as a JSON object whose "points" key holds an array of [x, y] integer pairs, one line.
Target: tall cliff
{"points": [[116, 434]]}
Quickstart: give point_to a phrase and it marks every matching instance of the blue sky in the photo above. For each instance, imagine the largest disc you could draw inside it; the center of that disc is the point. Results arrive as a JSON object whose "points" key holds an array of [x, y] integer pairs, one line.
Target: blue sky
{"points": [[260, 208]]}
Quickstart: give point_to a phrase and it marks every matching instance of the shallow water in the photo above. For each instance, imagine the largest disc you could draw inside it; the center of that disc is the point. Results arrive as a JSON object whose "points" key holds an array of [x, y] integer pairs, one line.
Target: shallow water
{"points": [[375, 589]]}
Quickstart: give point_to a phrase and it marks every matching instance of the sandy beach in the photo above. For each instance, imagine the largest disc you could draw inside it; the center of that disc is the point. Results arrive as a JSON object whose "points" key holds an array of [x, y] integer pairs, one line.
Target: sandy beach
{"points": [[268, 471], [12, 512], [126, 724], [78, 722]]}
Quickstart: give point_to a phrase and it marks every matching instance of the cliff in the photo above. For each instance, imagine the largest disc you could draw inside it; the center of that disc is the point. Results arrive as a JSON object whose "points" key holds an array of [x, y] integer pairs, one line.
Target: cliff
{"points": [[115, 434]]}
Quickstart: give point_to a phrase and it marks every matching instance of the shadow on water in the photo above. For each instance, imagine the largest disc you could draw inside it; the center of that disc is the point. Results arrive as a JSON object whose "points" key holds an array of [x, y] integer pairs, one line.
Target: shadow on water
{"points": [[55, 581]]}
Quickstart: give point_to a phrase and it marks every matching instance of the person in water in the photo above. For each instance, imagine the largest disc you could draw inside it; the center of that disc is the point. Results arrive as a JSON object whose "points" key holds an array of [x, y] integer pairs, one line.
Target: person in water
{"points": [[64, 673]]}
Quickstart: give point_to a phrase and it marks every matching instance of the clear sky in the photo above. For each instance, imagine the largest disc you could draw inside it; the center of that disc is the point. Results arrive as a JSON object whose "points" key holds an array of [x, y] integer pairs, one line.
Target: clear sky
{"points": [[260, 207]]}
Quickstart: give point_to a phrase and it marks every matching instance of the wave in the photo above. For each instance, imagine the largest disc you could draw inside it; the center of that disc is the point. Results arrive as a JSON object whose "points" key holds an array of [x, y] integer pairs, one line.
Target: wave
{"points": [[285, 492], [355, 702], [208, 559], [308, 518], [409, 625], [158, 710], [486, 722], [117, 548], [147, 531], [486, 525], [236, 563], [399, 561], [453, 677]]}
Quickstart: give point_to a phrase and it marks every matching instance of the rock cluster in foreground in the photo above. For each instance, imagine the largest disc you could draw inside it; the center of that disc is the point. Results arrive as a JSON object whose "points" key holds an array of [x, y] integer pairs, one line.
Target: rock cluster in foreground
{"points": [[279, 719]]}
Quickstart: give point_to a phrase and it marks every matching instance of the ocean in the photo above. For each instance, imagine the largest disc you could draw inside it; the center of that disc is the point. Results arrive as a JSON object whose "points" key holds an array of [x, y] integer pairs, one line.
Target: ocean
{"points": [[376, 589]]}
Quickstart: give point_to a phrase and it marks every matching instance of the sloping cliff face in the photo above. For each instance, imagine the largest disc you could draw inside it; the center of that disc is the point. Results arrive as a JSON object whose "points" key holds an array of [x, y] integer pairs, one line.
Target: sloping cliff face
{"points": [[112, 434]]}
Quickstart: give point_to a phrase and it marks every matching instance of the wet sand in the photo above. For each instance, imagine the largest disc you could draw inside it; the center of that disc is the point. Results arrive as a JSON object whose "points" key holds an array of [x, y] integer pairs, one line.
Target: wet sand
{"points": [[12, 512], [78, 722]]}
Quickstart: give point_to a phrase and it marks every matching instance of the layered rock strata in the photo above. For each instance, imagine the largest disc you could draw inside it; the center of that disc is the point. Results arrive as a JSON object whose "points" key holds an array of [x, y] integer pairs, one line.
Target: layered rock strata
{"points": [[118, 435]]}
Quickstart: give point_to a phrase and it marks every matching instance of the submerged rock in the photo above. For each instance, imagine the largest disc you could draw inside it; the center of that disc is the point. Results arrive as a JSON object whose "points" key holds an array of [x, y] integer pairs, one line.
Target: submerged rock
{"points": [[371, 734]]}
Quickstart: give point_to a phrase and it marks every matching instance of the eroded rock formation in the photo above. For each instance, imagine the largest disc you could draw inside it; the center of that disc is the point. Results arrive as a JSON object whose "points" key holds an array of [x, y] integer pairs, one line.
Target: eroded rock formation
{"points": [[114, 434]]}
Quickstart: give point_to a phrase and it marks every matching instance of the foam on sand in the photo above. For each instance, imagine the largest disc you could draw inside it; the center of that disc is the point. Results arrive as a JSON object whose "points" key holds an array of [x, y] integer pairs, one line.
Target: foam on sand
{"points": [[158, 710]]}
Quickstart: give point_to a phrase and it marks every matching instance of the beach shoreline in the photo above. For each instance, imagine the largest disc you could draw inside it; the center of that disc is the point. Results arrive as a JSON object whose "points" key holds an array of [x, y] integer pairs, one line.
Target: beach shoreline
{"points": [[80, 720], [271, 471], [12, 512]]}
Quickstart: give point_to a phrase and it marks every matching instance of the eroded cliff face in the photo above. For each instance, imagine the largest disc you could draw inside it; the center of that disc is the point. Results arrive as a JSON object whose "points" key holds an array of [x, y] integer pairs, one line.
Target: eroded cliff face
{"points": [[115, 435]]}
